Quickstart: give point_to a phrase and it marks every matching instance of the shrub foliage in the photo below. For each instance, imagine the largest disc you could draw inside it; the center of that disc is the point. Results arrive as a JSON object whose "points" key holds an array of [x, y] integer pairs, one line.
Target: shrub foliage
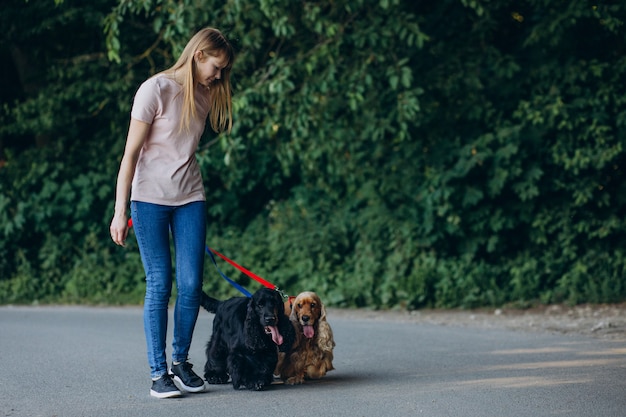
{"points": [[385, 153]]}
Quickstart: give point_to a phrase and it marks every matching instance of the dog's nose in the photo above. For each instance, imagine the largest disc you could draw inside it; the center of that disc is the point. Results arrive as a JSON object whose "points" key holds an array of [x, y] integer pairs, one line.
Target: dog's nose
{"points": [[270, 319], [306, 319]]}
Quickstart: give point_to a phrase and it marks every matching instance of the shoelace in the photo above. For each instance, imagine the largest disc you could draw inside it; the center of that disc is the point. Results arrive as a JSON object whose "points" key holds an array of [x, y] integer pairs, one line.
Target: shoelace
{"points": [[186, 371], [166, 380]]}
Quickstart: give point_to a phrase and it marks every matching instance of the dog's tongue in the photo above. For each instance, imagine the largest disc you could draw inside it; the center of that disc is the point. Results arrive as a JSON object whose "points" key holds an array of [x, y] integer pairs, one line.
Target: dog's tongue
{"points": [[276, 336], [308, 331]]}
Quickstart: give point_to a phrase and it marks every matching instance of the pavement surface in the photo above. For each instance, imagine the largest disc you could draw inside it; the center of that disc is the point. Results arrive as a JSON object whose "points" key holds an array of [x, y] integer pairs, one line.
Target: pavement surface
{"points": [[90, 361]]}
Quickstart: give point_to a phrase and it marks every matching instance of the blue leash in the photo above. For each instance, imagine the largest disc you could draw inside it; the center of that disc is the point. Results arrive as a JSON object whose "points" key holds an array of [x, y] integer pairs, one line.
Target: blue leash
{"points": [[233, 283]]}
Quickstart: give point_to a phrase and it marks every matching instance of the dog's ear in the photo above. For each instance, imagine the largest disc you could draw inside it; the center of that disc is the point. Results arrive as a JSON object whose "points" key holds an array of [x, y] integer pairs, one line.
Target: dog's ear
{"points": [[287, 331], [325, 339], [251, 306], [322, 312], [252, 330], [294, 313], [281, 304]]}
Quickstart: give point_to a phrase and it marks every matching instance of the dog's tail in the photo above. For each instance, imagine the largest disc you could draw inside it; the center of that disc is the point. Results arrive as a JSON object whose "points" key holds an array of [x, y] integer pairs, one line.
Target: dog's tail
{"points": [[210, 304]]}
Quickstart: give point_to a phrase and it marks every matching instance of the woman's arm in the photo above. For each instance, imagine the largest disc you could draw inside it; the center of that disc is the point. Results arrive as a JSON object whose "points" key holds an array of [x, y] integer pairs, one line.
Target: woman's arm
{"points": [[137, 133]]}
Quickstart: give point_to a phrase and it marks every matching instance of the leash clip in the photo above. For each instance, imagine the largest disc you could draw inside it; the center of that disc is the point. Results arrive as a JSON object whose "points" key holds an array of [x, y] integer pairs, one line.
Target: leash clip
{"points": [[284, 296]]}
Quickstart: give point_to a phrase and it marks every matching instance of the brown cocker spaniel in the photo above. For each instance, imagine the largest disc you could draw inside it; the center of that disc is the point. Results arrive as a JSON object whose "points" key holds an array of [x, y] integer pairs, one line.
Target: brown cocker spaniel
{"points": [[311, 355]]}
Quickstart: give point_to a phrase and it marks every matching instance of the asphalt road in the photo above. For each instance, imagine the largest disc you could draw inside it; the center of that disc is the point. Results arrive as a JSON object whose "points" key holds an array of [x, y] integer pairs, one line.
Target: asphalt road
{"points": [[80, 361]]}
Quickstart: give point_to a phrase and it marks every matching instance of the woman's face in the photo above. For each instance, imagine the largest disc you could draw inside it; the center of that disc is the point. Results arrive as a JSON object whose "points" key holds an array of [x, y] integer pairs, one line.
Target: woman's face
{"points": [[208, 68]]}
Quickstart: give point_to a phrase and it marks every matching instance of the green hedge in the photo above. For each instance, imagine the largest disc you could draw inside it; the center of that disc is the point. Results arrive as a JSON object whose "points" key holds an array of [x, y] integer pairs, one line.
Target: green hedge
{"points": [[385, 153]]}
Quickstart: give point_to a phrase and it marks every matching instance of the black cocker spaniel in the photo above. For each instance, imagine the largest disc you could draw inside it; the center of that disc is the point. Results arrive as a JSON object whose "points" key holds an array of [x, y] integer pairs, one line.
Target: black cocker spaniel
{"points": [[247, 336]]}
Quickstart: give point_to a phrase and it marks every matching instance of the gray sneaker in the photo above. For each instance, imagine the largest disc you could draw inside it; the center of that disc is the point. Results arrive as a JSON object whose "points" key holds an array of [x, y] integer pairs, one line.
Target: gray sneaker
{"points": [[187, 378], [164, 388]]}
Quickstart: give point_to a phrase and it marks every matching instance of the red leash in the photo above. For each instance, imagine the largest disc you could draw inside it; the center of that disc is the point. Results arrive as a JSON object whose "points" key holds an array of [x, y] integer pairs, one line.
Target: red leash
{"points": [[245, 271], [240, 268], [252, 275]]}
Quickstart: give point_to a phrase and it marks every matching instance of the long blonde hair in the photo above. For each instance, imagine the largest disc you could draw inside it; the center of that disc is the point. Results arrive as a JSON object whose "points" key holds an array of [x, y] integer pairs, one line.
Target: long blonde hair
{"points": [[211, 42]]}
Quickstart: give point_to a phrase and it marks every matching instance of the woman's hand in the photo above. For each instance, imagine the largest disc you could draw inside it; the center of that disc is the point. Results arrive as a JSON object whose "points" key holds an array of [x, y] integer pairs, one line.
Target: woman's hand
{"points": [[119, 229]]}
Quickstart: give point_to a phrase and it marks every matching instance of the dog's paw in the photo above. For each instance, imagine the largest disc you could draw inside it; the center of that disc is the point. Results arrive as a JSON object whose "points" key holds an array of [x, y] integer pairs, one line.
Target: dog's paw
{"points": [[315, 373], [217, 379], [295, 380], [259, 386], [256, 385]]}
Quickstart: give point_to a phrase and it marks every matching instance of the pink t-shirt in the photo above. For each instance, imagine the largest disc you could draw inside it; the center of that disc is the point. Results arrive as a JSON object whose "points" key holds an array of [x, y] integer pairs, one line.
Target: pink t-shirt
{"points": [[167, 171]]}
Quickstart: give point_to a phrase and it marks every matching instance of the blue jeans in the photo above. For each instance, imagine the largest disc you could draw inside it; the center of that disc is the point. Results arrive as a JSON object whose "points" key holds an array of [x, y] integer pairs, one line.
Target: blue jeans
{"points": [[152, 224]]}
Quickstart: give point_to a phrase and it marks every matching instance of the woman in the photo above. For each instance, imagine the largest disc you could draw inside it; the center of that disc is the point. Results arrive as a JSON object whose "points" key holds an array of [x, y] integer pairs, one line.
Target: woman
{"points": [[167, 195]]}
